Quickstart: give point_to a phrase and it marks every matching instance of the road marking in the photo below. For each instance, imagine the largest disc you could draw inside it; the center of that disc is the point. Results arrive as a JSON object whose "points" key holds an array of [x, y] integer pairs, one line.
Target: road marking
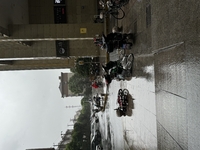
{"points": [[166, 48], [174, 94], [143, 55]]}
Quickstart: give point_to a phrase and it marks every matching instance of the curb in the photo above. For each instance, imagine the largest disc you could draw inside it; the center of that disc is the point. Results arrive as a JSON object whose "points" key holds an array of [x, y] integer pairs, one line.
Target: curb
{"points": [[106, 24]]}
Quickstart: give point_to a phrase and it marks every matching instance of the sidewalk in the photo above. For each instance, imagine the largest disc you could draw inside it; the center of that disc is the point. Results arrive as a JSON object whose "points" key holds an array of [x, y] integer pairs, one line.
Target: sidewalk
{"points": [[139, 129]]}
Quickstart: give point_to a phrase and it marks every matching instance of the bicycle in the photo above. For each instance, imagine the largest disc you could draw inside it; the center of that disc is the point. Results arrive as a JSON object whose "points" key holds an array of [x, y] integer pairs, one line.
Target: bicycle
{"points": [[114, 8]]}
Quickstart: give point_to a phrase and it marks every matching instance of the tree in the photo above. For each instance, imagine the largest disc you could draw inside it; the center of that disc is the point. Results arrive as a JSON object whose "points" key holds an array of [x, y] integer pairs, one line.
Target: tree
{"points": [[78, 83], [81, 132], [83, 67]]}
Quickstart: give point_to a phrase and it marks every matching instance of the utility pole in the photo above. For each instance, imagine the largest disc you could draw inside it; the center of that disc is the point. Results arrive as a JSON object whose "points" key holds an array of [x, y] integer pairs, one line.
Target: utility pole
{"points": [[72, 106]]}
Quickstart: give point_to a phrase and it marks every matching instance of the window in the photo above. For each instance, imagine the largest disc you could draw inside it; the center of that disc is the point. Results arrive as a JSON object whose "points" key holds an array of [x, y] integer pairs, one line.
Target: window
{"points": [[59, 14], [59, 1]]}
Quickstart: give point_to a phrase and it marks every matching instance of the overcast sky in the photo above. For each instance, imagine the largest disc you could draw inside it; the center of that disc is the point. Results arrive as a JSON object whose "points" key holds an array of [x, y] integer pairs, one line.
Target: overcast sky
{"points": [[32, 112]]}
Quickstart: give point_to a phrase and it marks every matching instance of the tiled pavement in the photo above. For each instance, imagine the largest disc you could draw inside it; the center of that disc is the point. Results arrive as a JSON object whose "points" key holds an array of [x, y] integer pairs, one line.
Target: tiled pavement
{"points": [[169, 29]]}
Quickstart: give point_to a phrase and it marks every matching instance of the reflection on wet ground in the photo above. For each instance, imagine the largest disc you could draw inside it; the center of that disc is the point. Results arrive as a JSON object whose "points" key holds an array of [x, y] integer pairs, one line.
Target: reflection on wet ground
{"points": [[178, 85], [138, 127], [130, 106], [172, 101], [167, 102], [139, 67]]}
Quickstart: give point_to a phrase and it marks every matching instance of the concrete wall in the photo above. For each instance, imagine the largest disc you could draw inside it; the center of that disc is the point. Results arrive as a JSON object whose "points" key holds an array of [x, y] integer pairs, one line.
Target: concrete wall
{"points": [[43, 36], [81, 11], [78, 11], [79, 14], [37, 31], [37, 64], [41, 11], [41, 33]]}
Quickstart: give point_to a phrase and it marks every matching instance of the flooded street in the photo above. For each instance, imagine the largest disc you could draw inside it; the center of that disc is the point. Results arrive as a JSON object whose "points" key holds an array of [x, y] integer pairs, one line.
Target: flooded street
{"points": [[177, 96], [164, 90], [138, 129], [165, 81], [164, 104]]}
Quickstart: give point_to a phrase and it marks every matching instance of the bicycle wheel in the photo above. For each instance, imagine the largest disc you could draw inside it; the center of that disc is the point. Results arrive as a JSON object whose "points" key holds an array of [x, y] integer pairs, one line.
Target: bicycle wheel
{"points": [[117, 13], [130, 59], [121, 53]]}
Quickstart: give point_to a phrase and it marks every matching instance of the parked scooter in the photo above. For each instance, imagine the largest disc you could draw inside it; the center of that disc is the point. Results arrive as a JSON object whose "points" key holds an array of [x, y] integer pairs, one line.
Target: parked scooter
{"points": [[122, 100], [97, 103], [115, 41]]}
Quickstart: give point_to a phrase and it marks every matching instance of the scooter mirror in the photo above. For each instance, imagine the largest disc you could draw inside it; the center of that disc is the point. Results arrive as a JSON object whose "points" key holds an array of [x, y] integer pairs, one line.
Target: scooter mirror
{"points": [[101, 15], [101, 3]]}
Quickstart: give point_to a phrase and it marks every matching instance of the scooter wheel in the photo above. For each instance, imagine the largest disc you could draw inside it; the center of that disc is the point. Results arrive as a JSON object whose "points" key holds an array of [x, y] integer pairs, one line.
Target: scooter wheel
{"points": [[119, 113], [125, 92], [119, 91]]}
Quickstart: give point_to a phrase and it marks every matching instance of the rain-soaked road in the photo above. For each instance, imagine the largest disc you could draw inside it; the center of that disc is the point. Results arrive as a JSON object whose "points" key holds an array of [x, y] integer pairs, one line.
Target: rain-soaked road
{"points": [[177, 95], [138, 129], [166, 79]]}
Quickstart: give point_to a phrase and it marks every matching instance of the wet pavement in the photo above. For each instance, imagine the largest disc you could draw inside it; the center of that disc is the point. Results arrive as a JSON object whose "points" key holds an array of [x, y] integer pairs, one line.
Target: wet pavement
{"points": [[166, 78], [138, 129], [165, 112], [177, 86]]}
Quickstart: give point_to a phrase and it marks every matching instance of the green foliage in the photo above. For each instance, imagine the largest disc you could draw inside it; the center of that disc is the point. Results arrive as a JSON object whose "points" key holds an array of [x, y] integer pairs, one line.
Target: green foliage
{"points": [[81, 132], [88, 90], [80, 83], [84, 101], [83, 69], [73, 69], [77, 83]]}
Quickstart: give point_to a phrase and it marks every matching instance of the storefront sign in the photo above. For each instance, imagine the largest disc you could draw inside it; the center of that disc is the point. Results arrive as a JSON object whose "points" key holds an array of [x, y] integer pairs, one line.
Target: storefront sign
{"points": [[83, 30], [60, 14]]}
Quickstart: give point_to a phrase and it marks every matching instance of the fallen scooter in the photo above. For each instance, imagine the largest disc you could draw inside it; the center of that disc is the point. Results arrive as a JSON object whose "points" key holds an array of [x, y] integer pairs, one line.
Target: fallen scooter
{"points": [[121, 69], [122, 100]]}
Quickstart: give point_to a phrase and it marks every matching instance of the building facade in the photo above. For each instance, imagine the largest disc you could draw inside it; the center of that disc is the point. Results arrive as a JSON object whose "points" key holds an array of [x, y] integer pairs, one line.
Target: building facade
{"points": [[58, 31], [63, 86]]}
